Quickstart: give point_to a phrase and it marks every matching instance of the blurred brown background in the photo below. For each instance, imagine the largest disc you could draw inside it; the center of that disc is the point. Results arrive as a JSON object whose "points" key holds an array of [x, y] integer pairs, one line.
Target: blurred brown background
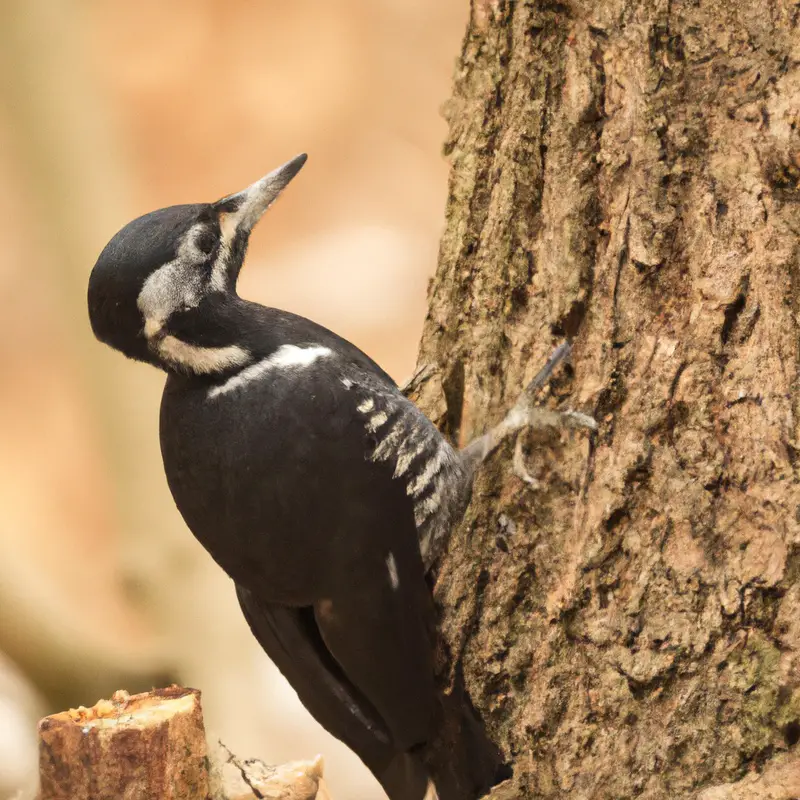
{"points": [[111, 109]]}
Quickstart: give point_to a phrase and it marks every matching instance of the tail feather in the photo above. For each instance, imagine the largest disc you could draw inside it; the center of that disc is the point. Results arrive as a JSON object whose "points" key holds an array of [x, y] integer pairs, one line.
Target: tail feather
{"points": [[290, 638], [431, 793], [462, 760], [406, 777]]}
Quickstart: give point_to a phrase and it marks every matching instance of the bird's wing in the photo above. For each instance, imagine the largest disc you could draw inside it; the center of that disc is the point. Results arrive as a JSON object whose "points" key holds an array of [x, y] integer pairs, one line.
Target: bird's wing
{"points": [[291, 498], [292, 640], [432, 472], [342, 441]]}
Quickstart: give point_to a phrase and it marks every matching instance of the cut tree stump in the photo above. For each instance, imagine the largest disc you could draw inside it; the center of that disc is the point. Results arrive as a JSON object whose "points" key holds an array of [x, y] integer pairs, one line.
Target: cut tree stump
{"points": [[153, 745]]}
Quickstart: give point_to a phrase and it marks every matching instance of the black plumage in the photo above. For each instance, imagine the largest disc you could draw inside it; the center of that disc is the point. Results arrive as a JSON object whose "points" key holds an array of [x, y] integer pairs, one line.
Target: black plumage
{"points": [[312, 481]]}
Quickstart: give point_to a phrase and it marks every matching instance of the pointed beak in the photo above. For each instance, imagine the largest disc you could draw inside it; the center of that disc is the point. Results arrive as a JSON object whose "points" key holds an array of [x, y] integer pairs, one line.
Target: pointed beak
{"points": [[238, 213]]}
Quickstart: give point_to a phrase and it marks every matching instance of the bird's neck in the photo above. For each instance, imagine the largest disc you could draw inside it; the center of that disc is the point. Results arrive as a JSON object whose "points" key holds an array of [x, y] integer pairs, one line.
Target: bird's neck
{"points": [[213, 340]]}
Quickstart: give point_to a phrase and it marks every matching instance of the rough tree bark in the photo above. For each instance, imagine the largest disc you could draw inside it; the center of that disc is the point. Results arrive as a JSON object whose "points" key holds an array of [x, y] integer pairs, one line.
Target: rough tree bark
{"points": [[627, 175]]}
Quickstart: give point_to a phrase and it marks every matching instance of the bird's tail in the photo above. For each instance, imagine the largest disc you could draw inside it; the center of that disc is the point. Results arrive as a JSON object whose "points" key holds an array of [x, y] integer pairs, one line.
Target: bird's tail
{"points": [[461, 761], [406, 777]]}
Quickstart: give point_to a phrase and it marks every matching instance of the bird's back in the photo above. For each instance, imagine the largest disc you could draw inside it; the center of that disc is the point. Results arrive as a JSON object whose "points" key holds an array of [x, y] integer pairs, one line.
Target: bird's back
{"points": [[312, 436]]}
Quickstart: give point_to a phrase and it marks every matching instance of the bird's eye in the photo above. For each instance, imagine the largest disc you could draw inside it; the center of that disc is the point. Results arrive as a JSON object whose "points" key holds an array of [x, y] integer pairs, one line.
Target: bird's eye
{"points": [[205, 241]]}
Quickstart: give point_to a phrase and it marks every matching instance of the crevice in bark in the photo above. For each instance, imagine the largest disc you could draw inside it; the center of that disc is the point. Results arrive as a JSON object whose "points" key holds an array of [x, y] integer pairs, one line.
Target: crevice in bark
{"points": [[791, 733], [732, 312], [453, 386]]}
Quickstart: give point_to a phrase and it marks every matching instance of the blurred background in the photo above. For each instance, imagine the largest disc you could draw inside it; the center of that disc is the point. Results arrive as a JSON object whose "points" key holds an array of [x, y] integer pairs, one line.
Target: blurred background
{"points": [[109, 110]]}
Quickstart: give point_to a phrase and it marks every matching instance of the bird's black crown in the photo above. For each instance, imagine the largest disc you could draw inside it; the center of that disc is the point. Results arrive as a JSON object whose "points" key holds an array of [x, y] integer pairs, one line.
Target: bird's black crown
{"points": [[126, 262], [152, 281]]}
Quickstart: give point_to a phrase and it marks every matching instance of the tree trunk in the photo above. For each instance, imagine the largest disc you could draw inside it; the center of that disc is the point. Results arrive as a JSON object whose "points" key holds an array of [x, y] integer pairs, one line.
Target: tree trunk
{"points": [[627, 175]]}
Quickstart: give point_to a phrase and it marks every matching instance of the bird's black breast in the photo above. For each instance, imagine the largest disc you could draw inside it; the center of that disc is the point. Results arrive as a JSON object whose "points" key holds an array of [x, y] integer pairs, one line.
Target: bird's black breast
{"points": [[273, 477]]}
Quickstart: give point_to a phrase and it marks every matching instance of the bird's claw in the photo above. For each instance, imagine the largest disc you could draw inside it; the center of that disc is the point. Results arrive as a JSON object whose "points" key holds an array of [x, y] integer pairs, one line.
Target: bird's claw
{"points": [[575, 419], [541, 418], [520, 469]]}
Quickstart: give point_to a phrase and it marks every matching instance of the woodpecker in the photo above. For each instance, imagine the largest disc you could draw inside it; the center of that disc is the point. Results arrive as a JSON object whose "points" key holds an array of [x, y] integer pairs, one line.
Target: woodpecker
{"points": [[308, 476]]}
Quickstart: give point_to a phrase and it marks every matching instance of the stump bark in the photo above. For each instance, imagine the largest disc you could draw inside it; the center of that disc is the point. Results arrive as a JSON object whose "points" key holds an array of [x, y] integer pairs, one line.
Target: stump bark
{"points": [[627, 175], [137, 747], [153, 745]]}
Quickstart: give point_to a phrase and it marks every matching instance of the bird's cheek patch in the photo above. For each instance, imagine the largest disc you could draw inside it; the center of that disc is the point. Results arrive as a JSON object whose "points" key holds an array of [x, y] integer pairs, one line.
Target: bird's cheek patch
{"points": [[170, 288]]}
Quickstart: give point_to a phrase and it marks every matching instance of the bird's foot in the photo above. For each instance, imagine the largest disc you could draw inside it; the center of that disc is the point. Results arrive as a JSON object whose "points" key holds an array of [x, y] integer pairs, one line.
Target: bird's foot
{"points": [[525, 414], [536, 417]]}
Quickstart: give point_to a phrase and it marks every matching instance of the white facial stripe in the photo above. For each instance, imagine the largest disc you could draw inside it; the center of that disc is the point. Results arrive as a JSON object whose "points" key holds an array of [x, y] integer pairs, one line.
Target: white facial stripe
{"points": [[219, 271], [289, 356], [391, 565], [175, 286], [203, 360], [152, 327], [230, 222]]}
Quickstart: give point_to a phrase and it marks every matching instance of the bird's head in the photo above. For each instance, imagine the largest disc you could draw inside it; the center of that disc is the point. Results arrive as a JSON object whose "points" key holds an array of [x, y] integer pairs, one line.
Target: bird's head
{"points": [[166, 270]]}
